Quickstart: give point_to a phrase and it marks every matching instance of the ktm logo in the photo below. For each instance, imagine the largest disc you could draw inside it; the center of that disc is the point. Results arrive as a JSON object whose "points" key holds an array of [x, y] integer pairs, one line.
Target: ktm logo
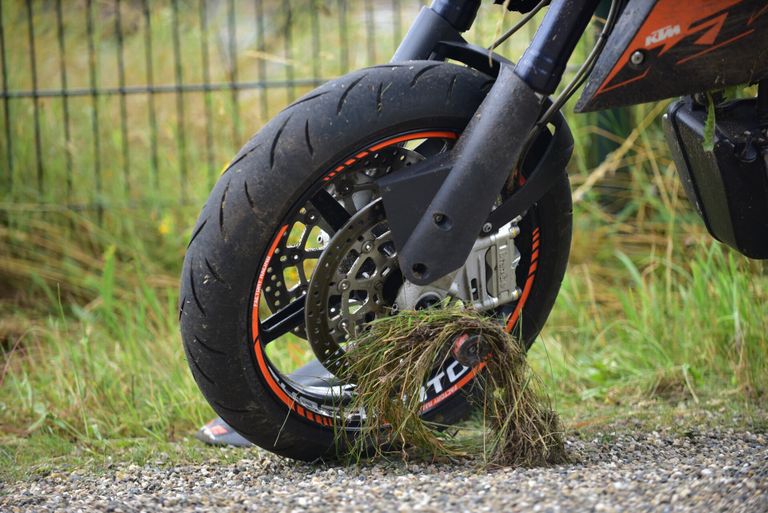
{"points": [[657, 36]]}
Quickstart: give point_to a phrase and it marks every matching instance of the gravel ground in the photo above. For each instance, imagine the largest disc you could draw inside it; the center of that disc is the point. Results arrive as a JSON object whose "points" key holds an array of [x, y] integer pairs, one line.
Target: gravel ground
{"points": [[708, 470]]}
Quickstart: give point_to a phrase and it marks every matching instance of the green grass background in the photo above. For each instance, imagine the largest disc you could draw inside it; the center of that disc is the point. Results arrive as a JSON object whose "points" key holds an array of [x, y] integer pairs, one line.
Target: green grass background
{"points": [[652, 310]]}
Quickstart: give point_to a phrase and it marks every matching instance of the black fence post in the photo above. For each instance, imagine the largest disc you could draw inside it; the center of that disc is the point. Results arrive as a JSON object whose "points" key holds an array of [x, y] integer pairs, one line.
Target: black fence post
{"points": [[205, 59], [181, 139], [64, 97], [35, 99], [233, 76], [94, 94], [150, 77], [123, 102], [6, 105]]}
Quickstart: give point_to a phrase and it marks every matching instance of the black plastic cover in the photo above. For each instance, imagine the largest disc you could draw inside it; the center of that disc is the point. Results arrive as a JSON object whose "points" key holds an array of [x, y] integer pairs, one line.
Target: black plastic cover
{"points": [[729, 185]]}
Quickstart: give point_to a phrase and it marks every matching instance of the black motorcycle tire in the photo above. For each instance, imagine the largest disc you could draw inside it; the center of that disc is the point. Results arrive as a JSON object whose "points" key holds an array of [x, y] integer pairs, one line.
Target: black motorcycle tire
{"points": [[268, 177]]}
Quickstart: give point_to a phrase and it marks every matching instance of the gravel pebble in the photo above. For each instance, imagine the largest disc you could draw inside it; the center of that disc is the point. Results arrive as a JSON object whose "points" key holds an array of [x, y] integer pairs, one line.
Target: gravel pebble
{"points": [[713, 470]]}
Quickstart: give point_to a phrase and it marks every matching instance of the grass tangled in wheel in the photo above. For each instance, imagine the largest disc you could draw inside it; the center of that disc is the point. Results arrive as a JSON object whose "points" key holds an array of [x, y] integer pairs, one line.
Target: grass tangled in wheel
{"points": [[390, 363]]}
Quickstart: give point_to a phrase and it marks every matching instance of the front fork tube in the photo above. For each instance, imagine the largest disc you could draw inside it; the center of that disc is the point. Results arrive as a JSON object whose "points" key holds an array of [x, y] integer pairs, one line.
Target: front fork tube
{"points": [[480, 164], [491, 146]]}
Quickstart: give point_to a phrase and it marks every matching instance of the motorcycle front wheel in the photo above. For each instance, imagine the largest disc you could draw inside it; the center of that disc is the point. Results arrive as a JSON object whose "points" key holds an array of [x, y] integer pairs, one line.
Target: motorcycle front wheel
{"points": [[295, 210]]}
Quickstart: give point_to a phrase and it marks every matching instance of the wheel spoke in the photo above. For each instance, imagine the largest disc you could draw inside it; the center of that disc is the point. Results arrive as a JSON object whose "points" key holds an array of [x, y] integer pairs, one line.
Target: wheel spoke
{"points": [[313, 253], [282, 321], [329, 209]]}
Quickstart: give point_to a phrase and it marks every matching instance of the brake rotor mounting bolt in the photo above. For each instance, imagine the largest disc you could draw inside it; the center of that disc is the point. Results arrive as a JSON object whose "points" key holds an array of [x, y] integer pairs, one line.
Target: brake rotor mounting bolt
{"points": [[516, 294], [487, 227], [344, 285], [367, 246], [637, 58]]}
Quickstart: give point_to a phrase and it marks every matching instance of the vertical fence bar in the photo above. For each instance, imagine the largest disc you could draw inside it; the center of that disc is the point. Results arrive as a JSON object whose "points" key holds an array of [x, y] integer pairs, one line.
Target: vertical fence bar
{"points": [[397, 22], [64, 97], [262, 68], [123, 104], [35, 98], [203, 15], [316, 57], [181, 140], [370, 36], [94, 104], [343, 39], [233, 75], [6, 104], [153, 161], [288, 42]]}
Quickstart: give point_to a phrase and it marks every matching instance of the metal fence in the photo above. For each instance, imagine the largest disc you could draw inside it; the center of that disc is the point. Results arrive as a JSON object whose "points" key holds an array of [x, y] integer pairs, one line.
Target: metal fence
{"points": [[109, 104], [114, 104]]}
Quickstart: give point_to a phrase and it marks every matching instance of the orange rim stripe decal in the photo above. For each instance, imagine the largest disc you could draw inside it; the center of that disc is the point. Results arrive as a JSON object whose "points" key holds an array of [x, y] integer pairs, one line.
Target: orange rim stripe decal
{"points": [[260, 282], [255, 325], [389, 142], [411, 137], [528, 283]]}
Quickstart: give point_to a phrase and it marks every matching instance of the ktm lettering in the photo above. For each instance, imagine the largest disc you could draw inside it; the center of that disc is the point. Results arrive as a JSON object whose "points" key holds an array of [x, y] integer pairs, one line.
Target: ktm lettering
{"points": [[661, 34]]}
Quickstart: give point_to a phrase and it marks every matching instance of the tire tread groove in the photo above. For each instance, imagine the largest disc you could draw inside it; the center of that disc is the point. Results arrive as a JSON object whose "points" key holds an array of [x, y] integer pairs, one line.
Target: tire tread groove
{"points": [[307, 139], [304, 100], [205, 346], [240, 158], [346, 92], [273, 149], [379, 95], [234, 410], [197, 232], [421, 73], [451, 85], [221, 211], [200, 370], [215, 274], [248, 197], [194, 292]]}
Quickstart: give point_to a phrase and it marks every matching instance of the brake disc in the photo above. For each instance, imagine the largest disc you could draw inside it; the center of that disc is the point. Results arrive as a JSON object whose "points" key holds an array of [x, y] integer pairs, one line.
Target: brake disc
{"points": [[356, 280]]}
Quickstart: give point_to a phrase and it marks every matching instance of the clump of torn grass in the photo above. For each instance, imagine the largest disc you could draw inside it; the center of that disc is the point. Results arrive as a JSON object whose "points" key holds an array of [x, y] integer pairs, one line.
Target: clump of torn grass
{"points": [[393, 359]]}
